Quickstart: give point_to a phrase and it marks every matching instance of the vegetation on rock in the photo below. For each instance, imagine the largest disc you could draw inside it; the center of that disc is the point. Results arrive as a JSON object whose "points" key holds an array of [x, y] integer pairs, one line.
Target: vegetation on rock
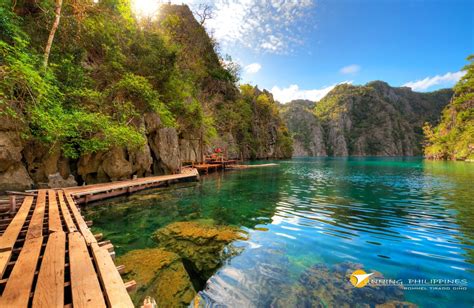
{"points": [[89, 83], [188, 254], [453, 138], [370, 120], [159, 274], [200, 243]]}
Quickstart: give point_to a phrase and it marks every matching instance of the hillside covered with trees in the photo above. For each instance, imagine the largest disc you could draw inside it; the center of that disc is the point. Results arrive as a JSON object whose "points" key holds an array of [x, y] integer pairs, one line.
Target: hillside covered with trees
{"points": [[370, 120], [453, 138], [90, 93]]}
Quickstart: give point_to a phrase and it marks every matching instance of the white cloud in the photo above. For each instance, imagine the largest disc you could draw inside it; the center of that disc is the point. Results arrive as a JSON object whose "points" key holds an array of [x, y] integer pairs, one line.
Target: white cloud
{"points": [[447, 79], [273, 26], [350, 69], [252, 68], [285, 95]]}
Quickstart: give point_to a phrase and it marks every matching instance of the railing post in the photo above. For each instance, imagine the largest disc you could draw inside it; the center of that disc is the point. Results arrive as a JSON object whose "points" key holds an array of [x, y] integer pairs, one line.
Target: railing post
{"points": [[12, 199]]}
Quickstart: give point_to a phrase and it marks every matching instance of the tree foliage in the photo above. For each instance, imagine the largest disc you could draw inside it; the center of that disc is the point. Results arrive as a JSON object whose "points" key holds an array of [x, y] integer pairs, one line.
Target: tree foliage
{"points": [[107, 69], [453, 138]]}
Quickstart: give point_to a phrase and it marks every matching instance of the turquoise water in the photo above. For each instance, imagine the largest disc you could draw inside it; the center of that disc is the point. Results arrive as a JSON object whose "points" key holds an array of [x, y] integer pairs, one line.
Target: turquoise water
{"points": [[405, 218]]}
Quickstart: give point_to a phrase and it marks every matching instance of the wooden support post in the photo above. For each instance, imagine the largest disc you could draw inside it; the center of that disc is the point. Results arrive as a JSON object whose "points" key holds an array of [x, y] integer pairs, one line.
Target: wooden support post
{"points": [[130, 285], [121, 269], [201, 141], [12, 199]]}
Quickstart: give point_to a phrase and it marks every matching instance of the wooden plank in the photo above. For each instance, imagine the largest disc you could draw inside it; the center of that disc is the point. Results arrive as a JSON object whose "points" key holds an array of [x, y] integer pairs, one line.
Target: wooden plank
{"points": [[85, 286], [70, 226], [115, 291], [83, 228], [18, 288], [49, 291], [9, 237], [54, 222], [4, 259], [36, 224]]}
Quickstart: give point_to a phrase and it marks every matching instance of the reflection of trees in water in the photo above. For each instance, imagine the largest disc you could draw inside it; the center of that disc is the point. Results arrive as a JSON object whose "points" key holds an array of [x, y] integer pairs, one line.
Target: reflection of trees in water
{"points": [[242, 198], [457, 187]]}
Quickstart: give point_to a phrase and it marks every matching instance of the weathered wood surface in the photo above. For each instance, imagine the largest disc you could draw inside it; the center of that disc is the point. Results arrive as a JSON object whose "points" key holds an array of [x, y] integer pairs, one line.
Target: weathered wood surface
{"points": [[114, 287], [104, 187], [9, 237], [49, 291], [48, 254], [54, 218], [35, 228], [70, 226], [85, 285], [18, 287], [81, 224], [47, 260]]}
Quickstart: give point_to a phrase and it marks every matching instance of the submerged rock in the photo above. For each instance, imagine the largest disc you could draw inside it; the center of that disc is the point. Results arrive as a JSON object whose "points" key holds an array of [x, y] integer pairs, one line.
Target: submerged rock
{"points": [[188, 254], [159, 274], [200, 243], [324, 286]]}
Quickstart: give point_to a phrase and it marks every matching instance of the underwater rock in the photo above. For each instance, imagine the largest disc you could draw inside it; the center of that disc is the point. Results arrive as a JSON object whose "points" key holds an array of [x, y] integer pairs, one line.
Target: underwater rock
{"points": [[201, 244], [323, 286], [159, 274]]}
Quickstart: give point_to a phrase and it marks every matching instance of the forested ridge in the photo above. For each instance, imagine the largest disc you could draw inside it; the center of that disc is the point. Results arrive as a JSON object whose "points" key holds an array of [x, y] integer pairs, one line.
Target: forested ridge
{"points": [[453, 138], [97, 94]]}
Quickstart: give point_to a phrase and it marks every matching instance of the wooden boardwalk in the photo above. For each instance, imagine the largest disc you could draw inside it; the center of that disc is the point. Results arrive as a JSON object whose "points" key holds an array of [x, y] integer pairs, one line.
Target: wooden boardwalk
{"points": [[49, 256], [85, 194]]}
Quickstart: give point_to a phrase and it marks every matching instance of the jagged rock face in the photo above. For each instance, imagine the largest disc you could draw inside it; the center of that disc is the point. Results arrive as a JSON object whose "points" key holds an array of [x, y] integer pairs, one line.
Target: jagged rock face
{"points": [[164, 144], [43, 161], [13, 175], [308, 139], [370, 120], [57, 181]]}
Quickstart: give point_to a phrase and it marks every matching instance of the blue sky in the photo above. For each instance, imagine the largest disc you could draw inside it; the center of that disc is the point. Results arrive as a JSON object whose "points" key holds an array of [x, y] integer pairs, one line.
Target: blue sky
{"points": [[301, 49]]}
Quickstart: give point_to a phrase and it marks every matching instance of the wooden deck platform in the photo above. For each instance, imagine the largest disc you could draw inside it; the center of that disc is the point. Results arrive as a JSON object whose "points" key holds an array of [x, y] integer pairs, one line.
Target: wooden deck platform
{"points": [[50, 258], [88, 193]]}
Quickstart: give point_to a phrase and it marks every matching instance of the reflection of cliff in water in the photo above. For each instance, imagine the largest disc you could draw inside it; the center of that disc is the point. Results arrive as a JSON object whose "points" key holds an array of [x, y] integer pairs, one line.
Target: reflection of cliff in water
{"points": [[230, 198]]}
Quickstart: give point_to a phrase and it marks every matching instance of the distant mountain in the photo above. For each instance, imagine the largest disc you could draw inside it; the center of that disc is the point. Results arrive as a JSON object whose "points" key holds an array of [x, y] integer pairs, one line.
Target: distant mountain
{"points": [[370, 120]]}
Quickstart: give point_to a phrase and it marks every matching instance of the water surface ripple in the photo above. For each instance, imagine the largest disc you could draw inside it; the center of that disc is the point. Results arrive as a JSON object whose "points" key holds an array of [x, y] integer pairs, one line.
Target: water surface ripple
{"points": [[405, 218]]}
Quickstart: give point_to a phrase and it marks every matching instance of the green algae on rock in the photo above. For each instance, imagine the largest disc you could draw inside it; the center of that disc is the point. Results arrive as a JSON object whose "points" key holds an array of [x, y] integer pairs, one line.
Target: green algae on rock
{"points": [[201, 244], [159, 274]]}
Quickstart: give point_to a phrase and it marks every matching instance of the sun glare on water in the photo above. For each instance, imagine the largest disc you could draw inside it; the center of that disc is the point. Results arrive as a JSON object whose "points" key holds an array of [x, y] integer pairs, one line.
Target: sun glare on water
{"points": [[145, 8]]}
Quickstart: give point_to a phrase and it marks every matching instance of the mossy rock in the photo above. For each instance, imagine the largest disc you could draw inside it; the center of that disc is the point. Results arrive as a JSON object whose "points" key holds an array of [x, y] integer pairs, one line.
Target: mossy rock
{"points": [[159, 274], [201, 243]]}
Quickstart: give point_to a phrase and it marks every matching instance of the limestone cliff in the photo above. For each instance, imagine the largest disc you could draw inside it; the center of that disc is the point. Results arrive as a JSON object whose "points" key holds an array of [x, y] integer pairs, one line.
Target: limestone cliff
{"points": [[370, 120], [122, 98], [308, 138]]}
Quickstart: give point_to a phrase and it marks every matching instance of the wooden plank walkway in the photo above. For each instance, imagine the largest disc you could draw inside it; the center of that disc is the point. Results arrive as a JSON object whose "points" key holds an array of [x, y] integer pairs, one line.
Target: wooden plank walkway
{"points": [[49, 256], [94, 192]]}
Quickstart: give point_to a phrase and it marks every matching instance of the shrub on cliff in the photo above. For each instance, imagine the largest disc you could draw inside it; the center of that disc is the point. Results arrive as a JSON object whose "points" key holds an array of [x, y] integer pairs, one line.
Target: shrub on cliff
{"points": [[453, 138]]}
